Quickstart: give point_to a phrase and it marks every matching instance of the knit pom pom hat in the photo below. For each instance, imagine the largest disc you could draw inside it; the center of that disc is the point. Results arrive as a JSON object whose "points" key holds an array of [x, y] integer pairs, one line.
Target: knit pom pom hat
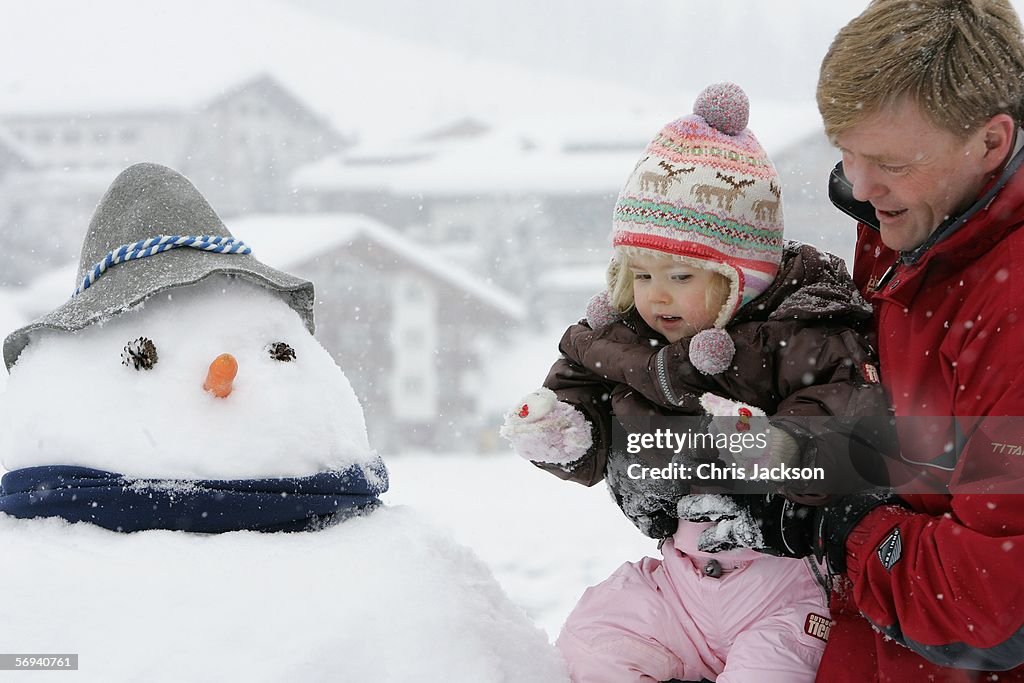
{"points": [[706, 193]]}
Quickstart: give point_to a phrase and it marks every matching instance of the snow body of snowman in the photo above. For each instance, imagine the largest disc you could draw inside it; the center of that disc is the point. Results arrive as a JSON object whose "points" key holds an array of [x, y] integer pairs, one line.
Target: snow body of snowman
{"points": [[182, 391]]}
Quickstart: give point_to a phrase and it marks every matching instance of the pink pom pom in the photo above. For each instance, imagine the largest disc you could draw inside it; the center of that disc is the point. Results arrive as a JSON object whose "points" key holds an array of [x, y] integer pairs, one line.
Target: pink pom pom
{"points": [[724, 106], [711, 351], [600, 311]]}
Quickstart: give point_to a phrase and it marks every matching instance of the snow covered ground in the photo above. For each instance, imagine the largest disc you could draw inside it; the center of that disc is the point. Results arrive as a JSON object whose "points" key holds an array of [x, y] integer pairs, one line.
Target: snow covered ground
{"points": [[349, 603], [384, 597], [545, 539]]}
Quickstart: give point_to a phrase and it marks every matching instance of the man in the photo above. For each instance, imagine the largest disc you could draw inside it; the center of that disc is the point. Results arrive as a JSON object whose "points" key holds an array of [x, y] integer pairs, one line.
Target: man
{"points": [[924, 99]]}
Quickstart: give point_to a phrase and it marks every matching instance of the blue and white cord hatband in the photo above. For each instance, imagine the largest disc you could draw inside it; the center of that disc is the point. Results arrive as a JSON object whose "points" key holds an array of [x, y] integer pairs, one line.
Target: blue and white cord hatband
{"points": [[158, 244]]}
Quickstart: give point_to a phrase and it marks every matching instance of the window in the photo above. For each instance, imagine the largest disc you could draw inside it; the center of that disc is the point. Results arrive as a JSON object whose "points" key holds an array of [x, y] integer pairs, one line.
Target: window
{"points": [[412, 385]]}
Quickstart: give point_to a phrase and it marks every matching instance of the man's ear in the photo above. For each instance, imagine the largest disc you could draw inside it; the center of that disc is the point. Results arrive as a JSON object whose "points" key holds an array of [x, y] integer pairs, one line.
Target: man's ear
{"points": [[999, 134]]}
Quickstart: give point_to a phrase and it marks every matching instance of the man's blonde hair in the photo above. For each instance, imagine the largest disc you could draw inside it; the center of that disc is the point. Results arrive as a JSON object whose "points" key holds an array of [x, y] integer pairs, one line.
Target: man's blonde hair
{"points": [[960, 61], [620, 285]]}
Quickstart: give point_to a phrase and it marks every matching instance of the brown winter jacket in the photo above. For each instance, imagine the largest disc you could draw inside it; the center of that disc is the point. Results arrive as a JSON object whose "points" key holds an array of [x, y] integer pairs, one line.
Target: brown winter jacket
{"points": [[801, 352]]}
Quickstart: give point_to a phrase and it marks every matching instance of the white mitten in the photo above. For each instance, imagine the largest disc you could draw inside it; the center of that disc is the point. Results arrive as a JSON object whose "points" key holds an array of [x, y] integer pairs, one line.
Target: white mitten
{"points": [[770, 446], [543, 429], [734, 420], [719, 406]]}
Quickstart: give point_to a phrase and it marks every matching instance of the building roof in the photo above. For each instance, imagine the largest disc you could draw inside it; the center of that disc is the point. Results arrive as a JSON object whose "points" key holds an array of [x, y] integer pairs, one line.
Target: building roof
{"points": [[286, 241], [556, 155]]}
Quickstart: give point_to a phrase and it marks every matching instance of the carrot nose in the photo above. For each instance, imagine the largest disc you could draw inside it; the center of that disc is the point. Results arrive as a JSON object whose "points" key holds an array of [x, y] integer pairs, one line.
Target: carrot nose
{"points": [[221, 375]]}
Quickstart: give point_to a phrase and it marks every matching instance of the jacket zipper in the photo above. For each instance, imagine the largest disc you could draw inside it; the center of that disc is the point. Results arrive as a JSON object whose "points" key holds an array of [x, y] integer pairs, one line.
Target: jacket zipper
{"points": [[886, 276], [666, 390]]}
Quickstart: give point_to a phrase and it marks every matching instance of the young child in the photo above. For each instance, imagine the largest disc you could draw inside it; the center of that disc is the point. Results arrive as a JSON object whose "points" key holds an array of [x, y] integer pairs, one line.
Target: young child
{"points": [[707, 313]]}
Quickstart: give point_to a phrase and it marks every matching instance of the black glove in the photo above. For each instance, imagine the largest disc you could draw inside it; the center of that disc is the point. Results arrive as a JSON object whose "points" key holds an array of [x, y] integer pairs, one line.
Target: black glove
{"points": [[835, 521], [770, 523], [777, 526]]}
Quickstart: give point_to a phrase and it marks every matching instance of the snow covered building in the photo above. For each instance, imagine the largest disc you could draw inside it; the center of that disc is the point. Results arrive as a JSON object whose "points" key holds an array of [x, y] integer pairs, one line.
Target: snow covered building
{"points": [[410, 329], [240, 138], [528, 205], [238, 144]]}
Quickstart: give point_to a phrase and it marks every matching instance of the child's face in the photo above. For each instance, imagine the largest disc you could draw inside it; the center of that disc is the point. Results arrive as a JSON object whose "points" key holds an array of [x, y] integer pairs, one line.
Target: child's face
{"points": [[671, 296]]}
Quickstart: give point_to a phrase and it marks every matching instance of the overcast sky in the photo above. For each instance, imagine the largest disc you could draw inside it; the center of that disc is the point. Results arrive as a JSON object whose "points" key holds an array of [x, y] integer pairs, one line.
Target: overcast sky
{"points": [[123, 52], [771, 48]]}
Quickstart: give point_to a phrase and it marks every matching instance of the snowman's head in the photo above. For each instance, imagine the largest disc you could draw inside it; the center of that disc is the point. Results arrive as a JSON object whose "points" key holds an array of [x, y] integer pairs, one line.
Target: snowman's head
{"points": [[217, 380], [153, 232]]}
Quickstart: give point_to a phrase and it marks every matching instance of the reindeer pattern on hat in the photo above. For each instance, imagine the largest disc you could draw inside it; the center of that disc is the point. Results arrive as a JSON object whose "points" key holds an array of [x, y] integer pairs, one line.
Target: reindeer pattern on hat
{"points": [[705, 188], [659, 182], [725, 195]]}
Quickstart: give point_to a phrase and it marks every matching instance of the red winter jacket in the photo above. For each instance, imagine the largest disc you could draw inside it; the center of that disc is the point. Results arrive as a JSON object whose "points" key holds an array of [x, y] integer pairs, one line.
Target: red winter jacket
{"points": [[945, 580]]}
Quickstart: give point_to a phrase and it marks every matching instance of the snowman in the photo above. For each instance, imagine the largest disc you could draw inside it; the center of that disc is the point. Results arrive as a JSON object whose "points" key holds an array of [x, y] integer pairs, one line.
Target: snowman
{"points": [[190, 493]]}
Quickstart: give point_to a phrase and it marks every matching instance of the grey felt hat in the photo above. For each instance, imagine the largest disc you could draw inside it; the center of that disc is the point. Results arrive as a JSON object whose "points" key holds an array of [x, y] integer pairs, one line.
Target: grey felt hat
{"points": [[144, 201]]}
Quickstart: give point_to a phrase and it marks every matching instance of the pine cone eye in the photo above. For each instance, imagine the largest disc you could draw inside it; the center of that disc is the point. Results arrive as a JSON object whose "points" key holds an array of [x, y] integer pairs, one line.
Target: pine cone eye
{"points": [[281, 351], [140, 354]]}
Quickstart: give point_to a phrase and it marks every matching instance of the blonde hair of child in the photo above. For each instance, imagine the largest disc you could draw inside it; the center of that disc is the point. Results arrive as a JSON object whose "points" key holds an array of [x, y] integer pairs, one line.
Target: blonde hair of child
{"points": [[620, 285]]}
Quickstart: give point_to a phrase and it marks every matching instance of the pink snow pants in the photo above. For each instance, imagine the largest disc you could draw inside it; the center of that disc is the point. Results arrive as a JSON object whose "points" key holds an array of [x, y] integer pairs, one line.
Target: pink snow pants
{"points": [[655, 620]]}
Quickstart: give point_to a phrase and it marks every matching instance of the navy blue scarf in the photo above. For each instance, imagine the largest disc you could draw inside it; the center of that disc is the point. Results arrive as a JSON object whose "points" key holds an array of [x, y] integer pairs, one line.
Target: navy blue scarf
{"points": [[118, 503]]}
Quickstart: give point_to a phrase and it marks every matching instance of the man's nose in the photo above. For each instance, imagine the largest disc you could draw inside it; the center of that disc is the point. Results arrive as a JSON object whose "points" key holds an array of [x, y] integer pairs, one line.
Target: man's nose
{"points": [[864, 180]]}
